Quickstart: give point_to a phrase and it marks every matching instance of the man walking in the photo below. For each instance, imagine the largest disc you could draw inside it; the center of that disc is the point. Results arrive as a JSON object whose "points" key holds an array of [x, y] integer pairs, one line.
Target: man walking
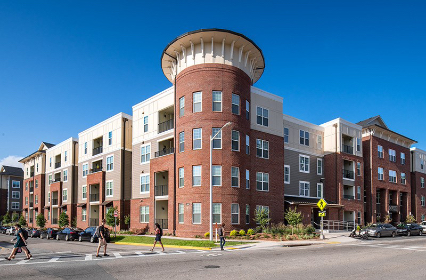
{"points": [[222, 236], [100, 232]]}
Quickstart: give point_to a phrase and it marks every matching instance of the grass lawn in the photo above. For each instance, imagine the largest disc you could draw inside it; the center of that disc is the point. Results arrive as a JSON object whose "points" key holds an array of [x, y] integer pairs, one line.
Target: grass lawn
{"points": [[167, 241]]}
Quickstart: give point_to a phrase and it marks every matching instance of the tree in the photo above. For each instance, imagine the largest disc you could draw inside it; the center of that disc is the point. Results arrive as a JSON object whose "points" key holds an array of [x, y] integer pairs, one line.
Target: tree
{"points": [[22, 221], [110, 217], [410, 219], [387, 219], [127, 220], [293, 218], [40, 220], [6, 218], [74, 222], [15, 217], [261, 216], [64, 220]]}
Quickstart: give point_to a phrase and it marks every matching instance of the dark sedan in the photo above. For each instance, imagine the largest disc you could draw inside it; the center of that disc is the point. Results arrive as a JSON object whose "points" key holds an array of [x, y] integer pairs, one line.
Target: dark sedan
{"points": [[67, 234], [379, 230], [49, 233], [33, 233], [409, 229], [89, 235]]}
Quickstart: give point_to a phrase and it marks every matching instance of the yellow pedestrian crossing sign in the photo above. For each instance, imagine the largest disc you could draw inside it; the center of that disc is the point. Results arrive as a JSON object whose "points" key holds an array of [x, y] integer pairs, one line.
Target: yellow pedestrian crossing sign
{"points": [[321, 204], [321, 213]]}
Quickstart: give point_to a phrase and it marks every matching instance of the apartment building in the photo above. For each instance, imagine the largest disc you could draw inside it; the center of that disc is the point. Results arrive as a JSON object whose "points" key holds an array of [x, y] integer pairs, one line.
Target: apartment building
{"points": [[61, 177], [418, 177], [212, 89], [104, 170], [11, 185], [387, 171], [34, 183]]}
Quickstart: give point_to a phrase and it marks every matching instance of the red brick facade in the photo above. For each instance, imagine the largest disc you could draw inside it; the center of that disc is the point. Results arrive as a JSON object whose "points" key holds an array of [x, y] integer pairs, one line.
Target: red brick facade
{"points": [[38, 182], [418, 210]]}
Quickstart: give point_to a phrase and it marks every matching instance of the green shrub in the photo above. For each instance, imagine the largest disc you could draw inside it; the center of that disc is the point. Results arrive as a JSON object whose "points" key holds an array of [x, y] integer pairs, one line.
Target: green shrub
{"points": [[250, 231], [309, 229], [64, 220], [262, 217], [266, 236], [22, 221], [242, 232], [233, 233], [207, 234], [109, 217], [257, 236], [40, 220]]}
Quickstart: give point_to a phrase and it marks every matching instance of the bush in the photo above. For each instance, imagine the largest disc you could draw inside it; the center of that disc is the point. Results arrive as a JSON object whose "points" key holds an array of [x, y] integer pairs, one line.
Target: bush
{"points": [[233, 233], [109, 217], [293, 218], [40, 220], [242, 232], [64, 220], [127, 220], [22, 221], [207, 234], [15, 217], [266, 236], [6, 218], [250, 231], [309, 229], [262, 217]]}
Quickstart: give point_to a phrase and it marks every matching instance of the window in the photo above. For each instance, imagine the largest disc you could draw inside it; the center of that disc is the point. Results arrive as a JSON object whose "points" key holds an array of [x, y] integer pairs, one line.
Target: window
{"points": [[262, 181], [144, 214], [196, 213], [15, 205], [319, 166], [181, 209], [83, 214], [358, 168], [261, 207], [217, 101], [304, 164], [423, 201], [110, 163], [380, 151], [247, 214], [247, 144], [262, 116], [247, 110], [85, 148], [64, 195], [181, 142], [235, 177], [84, 192], [217, 213], [392, 155], [359, 218], [181, 177], [422, 163], [65, 158], [16, 184], [37, 167], [196, 175], [145, 153], [197, 102], [217, 140], [15, 195], [48, 215], [26, 200], [110, 138], [217, 175], [36, 199], [50, 162], [380, 174], [48, 197], [392, 176], [235, 141], [262, 148], [358, 144], [145, 124], [50, 177], [422, 182], [402, 158], [85, 171], [109, 188], [304, 138], [196, 138], [319, 189], [36, 184], [358, 192], [144, 184], [403, 178], [377, 197], [319, 142], [287, 174], [235, 104], [26, 186], [65, 175], [247, 179], [182, 106], [285, 135], [304, 188], [235, 214]]}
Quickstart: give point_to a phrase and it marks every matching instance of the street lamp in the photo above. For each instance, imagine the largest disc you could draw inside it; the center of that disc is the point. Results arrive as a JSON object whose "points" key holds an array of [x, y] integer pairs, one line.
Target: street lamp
{"points": [[211, 181]]}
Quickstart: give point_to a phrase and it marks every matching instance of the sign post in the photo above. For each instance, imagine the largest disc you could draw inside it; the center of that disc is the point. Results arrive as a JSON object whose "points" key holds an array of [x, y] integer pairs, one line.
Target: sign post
{"points": [[321, 205], [115, 223]]}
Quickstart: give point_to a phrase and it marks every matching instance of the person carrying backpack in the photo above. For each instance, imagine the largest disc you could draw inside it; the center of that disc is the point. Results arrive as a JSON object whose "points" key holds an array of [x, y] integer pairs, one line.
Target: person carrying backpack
{"points": [[100, 233], [158, 234], [222, 236], [20, 244]]}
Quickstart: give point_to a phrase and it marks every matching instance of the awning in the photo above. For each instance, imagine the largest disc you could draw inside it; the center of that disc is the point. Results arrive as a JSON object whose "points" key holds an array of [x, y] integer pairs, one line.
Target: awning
{"points": [[81, 205], [106, 202]]}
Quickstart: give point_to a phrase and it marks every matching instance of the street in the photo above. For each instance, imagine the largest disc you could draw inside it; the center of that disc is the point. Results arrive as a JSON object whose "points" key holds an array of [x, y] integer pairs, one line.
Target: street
{"points": [[385, 258]]}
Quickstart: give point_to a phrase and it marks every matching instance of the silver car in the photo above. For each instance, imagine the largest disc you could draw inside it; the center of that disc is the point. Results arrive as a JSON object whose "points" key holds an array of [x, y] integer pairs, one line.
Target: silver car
{"points": [[380, 230]]}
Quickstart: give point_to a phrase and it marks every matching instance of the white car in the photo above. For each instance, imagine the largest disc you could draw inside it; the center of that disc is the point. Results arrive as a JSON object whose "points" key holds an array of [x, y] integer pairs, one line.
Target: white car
{"points": [[423, 225], [10, 231]]}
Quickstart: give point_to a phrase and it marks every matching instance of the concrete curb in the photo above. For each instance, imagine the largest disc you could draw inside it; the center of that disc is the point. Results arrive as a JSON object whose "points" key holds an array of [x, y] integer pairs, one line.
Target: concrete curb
{"points": [[165, 246]]}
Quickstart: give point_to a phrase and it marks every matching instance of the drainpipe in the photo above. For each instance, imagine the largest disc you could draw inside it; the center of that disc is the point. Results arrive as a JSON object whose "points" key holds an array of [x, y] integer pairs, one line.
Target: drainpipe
{"points": [[123, 169], [1, 189], [371, 174], [73, 186], [335, 160]]}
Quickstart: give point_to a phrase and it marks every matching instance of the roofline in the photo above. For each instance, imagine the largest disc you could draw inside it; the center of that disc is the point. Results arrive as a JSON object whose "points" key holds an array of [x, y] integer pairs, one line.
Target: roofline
{"points": [[302, 122], [121, 114], [343, 121], [387, 129], [168, 90], [31, 155], [72, 139], [415, 149]]}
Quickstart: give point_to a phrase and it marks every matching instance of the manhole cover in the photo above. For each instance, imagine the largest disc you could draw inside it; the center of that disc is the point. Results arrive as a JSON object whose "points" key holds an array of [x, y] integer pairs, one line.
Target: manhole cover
{"points": [[212, 266]]}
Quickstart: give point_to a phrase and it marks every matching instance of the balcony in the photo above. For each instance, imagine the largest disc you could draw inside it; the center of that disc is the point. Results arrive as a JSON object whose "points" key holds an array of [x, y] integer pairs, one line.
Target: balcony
{"points": [[31, 189], [94, 197], [97, 151], [96, 169], [55, 221], [348, 174], [165, 152], [162, 190], [164, 126], [57, 164], [31, 204], [347, 144], [348, 149], [32, 174], [54, 201], [57, 179], [348, 196]]}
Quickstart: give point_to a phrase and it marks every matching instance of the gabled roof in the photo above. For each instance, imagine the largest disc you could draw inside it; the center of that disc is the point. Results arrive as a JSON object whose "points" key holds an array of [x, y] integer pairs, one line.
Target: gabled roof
{"points": [[45, 144], [11, 170], [377, 120], [42, 149]]}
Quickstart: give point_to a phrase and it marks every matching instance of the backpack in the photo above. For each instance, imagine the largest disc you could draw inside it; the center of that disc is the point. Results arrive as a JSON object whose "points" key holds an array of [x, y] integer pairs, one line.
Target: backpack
{"points": [[161, 232], [25, 234], [97, 232]]}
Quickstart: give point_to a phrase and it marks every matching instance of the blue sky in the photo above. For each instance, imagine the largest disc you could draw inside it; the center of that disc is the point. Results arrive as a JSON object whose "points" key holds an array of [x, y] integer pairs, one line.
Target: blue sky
{"points": [[67, 65]]}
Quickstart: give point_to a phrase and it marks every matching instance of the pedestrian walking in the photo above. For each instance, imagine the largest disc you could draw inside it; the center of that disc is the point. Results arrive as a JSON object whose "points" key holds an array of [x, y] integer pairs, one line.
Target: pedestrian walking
{"points": [[158, 234], [19, 245], [100, 232], [222, 236]]}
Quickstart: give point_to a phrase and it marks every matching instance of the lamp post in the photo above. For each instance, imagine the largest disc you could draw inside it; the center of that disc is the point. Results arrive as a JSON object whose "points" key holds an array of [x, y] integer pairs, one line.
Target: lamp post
{"points": [[211, 179]]}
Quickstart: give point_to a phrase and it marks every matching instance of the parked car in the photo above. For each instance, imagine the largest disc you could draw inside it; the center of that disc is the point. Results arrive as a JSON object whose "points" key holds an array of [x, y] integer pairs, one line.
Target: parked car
{"points": [[380, 230], [49, 233], [2, 229], [409, 229], [33, 233], [10, 231], [68, 234], [89, 235], [423, 225]]}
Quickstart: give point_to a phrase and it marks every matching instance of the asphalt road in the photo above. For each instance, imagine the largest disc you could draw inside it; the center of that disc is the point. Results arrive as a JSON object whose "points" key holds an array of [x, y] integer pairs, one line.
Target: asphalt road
{"points": [[385, 258]]}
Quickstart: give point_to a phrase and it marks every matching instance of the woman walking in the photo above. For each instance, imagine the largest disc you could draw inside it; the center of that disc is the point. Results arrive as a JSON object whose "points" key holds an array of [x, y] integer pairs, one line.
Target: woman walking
{"points": [[20, 244], [158, 234]]}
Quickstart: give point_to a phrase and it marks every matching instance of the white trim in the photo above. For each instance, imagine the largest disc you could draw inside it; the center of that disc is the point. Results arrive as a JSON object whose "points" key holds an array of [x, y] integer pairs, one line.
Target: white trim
{"points": [[239, 181], [221, 137], [266, 94], [140, 208], [112, 189], [201, 175], [201, 102], [304, 163], [201, 212], [110, 119], [63, 175], [140, 154], [83, 192], [302, 123], [322, 188], [234, 214], [82, 169], [153, 98], [106, 163], [140, 184], [201, 139], [309, 188], [17, 182], [322, 166], [342, 121], [289, 179], [221, 101], [216, 176], [302, 151], [19, 194], [220, 213], [64, 200]]}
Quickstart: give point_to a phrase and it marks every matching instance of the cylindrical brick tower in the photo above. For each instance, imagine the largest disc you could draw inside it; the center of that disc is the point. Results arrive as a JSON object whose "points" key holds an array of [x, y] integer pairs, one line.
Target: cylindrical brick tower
{"points": [[213, 71]]}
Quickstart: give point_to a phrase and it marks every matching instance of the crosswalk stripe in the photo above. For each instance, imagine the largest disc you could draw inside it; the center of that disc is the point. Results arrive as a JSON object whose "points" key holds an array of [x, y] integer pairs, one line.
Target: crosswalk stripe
{"points": [[53, 259], [89, 257], [139, 253], [117, 255], [23, 262]]}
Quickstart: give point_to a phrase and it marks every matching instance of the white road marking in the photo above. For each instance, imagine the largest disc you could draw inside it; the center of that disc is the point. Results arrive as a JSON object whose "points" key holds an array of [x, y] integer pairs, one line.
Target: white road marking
{"points": [[23, 262], [117, 255], [139, 253], [53, 260], [89, 257], [65, 252]]}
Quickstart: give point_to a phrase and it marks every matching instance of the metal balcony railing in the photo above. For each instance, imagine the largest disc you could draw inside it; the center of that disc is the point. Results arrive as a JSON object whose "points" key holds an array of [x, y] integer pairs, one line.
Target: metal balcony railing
{"points": [[32, 174], [164, 223], [164, 152], [348, 196], [31, 189], [54, 221], [161, 190], [31, 204], [164, 126], [348, 149], [94, 197], [57, 164], [347, 174], [97, 150], [96, 169], [55, 201], [57, 179]]}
